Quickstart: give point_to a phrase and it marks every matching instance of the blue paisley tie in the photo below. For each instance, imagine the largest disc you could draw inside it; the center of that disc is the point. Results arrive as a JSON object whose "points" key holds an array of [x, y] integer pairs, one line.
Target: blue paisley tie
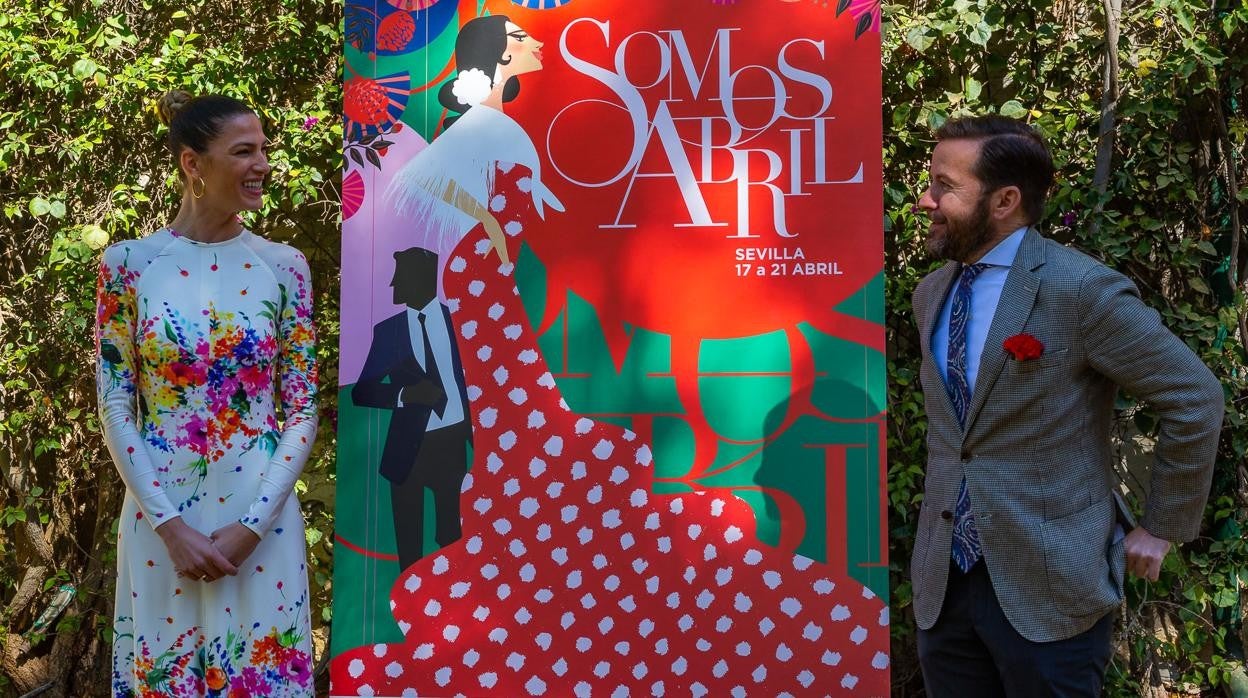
{"points": [[966, 550]]}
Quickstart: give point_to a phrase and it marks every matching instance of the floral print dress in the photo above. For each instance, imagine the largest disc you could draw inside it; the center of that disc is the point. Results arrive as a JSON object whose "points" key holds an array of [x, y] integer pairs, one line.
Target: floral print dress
{"points": [[193, 340]]}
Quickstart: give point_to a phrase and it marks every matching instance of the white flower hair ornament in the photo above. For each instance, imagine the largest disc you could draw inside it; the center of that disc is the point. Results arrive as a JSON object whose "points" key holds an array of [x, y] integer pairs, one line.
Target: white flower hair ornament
{"points": [[472, 87]]}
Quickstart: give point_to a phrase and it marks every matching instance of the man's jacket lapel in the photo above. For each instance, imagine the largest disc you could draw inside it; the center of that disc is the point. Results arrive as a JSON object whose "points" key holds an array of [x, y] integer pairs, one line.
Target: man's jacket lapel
{"points": [[1018, 297]]}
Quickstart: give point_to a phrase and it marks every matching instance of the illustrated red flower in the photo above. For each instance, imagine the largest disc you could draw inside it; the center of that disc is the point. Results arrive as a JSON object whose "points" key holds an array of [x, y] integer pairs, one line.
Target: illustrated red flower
{"points": [[395, 31], [178, 373], [215, 678], [364, 100], [373, 105], [1024, 347], [107, 308]]}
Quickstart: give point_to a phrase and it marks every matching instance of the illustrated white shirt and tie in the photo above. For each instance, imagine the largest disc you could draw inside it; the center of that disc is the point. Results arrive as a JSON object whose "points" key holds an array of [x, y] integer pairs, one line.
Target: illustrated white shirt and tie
{"points": [[440, 342]]}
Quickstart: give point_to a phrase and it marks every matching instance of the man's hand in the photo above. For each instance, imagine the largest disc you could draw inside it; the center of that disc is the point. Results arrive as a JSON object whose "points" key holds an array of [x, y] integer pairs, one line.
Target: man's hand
{"points": [[427, 392], [1145, 553], [495, 232], [235, 541], [193, 553]]}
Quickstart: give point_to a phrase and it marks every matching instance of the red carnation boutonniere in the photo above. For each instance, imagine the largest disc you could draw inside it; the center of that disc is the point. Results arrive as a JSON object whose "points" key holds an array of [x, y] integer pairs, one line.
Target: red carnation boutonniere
{"points": [[1024, 347]]}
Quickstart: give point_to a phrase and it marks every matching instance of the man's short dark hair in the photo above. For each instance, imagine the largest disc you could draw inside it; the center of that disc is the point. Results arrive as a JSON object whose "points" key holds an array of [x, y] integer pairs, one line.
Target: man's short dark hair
{"points": [[1011, 153]]}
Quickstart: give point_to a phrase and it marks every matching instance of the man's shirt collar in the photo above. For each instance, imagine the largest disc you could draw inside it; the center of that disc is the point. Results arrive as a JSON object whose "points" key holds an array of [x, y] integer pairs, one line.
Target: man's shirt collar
{"points": [[430, 308], [1004, 253]]}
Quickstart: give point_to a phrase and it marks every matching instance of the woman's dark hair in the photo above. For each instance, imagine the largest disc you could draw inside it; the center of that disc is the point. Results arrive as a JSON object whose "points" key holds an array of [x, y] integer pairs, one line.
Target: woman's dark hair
{"points": [[1011, 153], [195, 121], [480, 44]]}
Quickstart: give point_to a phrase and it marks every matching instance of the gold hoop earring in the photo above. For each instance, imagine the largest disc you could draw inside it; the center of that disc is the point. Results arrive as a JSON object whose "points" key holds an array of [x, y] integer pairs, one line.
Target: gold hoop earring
{"points": [[203, 186]]}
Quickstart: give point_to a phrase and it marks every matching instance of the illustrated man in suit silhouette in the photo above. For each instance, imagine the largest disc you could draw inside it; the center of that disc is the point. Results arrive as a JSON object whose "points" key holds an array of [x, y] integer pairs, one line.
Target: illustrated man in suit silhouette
{"points": [[413, 368], [1022, 541]]}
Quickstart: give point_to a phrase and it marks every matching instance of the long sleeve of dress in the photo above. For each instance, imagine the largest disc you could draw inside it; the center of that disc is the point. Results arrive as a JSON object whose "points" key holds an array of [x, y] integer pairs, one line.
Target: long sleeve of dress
{"points": [[297, 376], [117, 384]]}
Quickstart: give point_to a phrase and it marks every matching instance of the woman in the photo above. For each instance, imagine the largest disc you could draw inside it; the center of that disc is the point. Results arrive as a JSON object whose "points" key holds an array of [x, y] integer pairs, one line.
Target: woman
{"points": [[196, 324], [571, 578], [449, 185]]}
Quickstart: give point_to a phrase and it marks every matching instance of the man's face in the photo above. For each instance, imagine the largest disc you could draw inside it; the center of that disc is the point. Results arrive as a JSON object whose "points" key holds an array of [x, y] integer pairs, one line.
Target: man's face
{"points": [[956, 203], [415, 280]]}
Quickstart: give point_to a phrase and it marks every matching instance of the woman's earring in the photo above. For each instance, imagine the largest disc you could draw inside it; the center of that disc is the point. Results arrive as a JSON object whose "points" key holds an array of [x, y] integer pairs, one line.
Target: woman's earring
{"points": [[203, 186]]}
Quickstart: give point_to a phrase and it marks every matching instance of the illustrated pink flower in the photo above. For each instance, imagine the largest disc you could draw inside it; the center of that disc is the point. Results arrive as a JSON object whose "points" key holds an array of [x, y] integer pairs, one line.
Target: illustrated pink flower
{"points": [[866, 14], [297, 669], [267, 347], [194, 435], [255, 379], [250, 682], [352, 194], [221, 397]]}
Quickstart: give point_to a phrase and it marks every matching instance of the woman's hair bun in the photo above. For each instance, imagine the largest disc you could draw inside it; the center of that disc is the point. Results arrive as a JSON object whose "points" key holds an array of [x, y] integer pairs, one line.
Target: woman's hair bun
{"points": [[171, 103]]}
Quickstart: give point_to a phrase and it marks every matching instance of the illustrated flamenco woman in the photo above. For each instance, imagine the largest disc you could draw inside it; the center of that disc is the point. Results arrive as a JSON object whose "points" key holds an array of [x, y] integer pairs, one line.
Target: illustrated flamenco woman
{"points": [[571, 577]]}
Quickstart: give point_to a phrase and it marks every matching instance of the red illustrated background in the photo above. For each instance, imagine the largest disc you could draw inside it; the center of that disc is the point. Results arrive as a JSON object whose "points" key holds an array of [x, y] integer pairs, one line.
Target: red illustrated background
{"points": [[638, 276]]}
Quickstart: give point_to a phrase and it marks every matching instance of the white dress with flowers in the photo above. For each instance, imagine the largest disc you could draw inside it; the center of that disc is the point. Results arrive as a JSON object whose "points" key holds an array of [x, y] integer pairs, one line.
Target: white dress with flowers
{"points": [[193, 342]]}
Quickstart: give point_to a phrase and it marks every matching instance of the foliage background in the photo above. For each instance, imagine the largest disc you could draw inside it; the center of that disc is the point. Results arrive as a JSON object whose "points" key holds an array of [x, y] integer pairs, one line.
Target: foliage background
{"points": [[81, 162]]}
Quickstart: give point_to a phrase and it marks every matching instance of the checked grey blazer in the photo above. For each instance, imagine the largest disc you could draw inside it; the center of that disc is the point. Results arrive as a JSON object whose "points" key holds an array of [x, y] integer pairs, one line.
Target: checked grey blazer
{"points": [[1036, 452]]}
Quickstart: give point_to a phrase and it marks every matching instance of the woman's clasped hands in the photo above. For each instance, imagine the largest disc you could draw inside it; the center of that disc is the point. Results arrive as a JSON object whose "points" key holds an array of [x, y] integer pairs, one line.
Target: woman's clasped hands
{"points": [[207, 558]]}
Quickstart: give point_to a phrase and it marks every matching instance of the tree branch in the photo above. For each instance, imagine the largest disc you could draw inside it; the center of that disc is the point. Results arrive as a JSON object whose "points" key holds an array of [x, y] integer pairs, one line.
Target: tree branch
{"points": [[1234, 273], [29, 531], [28, 674], [1109, 106]]}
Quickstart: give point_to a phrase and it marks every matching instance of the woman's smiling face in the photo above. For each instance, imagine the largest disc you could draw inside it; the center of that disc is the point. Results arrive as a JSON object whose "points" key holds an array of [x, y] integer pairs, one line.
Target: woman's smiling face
{"points": [[235, 165]]}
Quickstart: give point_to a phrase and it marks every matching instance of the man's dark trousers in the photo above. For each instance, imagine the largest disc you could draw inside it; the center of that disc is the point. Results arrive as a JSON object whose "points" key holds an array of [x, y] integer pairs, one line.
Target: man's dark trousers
{"points": [[441, 463], [974, 652]]}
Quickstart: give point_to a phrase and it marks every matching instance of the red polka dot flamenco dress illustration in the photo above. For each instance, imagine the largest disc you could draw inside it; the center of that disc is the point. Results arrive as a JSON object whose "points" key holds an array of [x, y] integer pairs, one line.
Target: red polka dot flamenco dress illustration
{"points": [[572, 578]]}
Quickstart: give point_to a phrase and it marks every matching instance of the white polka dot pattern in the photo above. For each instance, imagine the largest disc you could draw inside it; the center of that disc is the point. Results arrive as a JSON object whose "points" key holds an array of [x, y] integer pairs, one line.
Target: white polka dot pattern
{"points": [[573, 579]]}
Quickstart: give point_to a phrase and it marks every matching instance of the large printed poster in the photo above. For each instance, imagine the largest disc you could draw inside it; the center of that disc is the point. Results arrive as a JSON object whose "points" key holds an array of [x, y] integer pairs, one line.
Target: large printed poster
{"points": [[612, 383]]}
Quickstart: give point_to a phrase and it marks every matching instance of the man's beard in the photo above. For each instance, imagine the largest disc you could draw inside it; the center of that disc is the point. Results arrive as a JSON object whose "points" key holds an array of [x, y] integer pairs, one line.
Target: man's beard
{"points": [[962, 236]]}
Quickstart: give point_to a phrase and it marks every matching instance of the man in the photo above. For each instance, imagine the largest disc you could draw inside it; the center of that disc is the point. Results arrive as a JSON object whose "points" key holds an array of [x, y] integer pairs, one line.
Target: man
{"points": [[1020, 549], [413, 368]]}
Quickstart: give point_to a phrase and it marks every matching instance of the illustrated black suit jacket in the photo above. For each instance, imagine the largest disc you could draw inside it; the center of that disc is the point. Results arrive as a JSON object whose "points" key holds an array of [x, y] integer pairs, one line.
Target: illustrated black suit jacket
{"points": [[390, 357]]}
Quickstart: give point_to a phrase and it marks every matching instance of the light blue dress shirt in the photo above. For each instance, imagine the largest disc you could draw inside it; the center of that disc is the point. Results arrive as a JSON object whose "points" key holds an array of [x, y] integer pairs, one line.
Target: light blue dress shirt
{"points": [[985, 294], [440, 341]]}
